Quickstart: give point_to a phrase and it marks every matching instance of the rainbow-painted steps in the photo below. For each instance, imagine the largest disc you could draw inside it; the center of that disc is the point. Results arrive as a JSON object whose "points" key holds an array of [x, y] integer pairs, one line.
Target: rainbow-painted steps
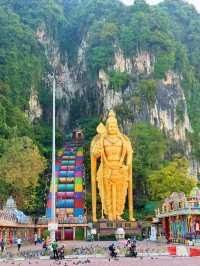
{"points": [[70, 194]]}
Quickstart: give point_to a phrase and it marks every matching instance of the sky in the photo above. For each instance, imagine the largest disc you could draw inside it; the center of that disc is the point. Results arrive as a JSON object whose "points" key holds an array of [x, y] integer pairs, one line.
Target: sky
{"points": [[196, 3]]}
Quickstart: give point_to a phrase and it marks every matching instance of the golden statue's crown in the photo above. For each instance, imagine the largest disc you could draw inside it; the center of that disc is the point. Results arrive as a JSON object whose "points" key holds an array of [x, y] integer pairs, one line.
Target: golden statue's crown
{"points": [[112, 114], [111, 117]]}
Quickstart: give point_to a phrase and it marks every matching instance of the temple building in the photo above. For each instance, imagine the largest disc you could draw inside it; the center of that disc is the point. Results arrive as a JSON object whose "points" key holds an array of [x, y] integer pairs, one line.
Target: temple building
{"points": [[14, 223], [178, 220]]}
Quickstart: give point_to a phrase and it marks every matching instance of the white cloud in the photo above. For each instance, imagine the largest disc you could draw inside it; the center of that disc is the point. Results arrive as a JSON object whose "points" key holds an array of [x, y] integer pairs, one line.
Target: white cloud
{"points": [[127, 2], [196, 3]]}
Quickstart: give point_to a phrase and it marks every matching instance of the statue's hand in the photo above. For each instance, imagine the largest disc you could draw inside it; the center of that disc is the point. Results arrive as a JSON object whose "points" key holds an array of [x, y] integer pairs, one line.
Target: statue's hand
{"points": [[132, 219]]}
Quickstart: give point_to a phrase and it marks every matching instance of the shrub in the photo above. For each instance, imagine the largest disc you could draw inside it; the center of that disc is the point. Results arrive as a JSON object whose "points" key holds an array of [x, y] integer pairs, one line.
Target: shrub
{"points": [[147, 89], [118, 80]]}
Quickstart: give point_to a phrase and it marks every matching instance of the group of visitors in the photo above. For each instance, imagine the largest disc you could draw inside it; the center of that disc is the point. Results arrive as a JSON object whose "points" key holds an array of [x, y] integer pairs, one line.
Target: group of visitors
{"points": [[131, 247], [113, 250], [3, 244], [58, 253]]}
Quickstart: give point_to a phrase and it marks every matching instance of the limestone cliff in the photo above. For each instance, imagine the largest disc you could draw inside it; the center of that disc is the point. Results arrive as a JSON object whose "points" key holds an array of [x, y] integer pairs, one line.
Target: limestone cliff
{"points": [[35, 109], [81, 92], [169, 96], [162, 114], [67, 84], [169, 111]]}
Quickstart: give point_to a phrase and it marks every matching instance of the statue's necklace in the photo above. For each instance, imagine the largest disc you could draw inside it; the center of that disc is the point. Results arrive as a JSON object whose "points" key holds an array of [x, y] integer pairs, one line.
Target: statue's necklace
{"points": [[112, 141]]}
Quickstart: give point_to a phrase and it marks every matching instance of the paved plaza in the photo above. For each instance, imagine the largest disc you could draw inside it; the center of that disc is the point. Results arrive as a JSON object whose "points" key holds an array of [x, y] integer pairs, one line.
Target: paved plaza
{"points": [[150, 261], [83, 253], [95, 247]]}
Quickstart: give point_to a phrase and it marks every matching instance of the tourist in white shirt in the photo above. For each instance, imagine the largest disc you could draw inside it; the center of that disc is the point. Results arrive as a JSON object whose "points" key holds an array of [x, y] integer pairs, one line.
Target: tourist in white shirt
{"points": [[19, 243]]}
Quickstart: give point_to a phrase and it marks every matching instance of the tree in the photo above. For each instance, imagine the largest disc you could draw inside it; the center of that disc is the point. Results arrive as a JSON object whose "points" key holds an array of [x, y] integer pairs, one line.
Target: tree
{"points": [[172, 177], [149, 147], [118, 80], [20, 167], [147, 89]]}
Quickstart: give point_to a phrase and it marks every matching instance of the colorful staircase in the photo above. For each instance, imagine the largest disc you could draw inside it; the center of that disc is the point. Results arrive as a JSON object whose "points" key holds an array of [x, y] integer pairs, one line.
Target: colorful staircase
{"points": [[70, 194]]}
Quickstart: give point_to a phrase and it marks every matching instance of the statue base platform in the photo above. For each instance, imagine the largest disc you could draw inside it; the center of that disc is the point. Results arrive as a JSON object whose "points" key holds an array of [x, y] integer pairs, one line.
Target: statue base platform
{"points": [[105, 227]]}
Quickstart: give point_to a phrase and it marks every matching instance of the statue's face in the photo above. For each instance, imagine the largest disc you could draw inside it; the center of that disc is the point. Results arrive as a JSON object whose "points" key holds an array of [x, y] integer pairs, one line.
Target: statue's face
{"points": [[112, 128]]}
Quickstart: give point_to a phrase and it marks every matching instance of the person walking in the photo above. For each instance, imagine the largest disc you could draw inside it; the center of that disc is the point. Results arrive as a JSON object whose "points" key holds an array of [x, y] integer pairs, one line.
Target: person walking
{"points": [[55, 250], [19, 243], [2, 245], [45, 247], [35, 239]]}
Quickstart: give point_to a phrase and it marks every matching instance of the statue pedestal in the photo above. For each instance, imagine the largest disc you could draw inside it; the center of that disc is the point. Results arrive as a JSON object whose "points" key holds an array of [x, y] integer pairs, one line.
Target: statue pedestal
{"points": [[106, 228]]}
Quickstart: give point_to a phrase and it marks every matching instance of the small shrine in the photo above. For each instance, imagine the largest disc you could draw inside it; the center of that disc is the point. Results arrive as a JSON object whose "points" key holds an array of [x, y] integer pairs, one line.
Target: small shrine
{"points": [[10, 204], [77, 136], [10, 209], [178, 220], [14, 222]]}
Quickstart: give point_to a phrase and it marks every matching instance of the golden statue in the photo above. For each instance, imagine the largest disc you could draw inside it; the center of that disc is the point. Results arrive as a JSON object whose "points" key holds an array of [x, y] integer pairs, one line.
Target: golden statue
{"points": [[114, 175]]}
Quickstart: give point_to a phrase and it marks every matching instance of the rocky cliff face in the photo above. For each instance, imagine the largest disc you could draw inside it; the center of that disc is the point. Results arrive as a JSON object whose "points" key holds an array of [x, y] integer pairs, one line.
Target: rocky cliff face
{"points": [[169, 92], [72, 84], [67, 84], [164, 114], [143, 63], [169, 96], [35, 109]]}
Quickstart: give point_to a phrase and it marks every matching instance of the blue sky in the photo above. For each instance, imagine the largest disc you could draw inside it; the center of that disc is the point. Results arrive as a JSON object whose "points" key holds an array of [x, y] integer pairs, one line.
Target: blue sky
{"points": [[194, 2]]}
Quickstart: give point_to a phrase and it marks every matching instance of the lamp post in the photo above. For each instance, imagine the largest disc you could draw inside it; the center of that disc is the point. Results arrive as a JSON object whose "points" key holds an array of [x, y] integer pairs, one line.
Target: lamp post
{"points": [[52, 226]]}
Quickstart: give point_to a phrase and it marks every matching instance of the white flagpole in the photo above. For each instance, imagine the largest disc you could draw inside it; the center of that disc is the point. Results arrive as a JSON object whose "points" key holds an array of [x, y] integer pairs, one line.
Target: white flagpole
{"points": [[53, 213]]}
